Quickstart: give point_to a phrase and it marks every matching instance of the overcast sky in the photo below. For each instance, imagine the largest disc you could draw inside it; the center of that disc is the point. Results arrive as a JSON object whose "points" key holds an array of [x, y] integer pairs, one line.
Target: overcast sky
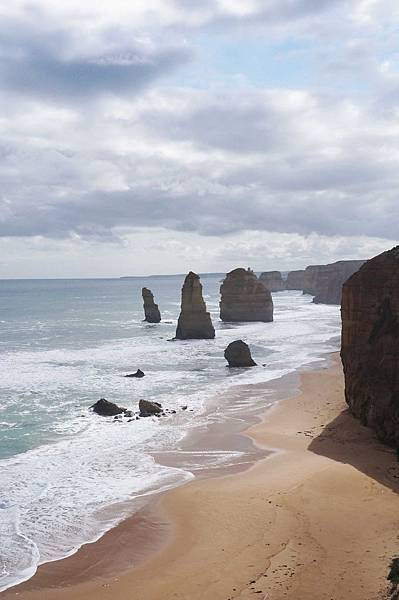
{"points": [[158, 136]]}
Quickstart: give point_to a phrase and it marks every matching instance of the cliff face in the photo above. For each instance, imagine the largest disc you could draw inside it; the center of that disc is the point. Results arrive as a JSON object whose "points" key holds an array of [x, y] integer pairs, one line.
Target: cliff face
{"points": [[295, 280], [324, 282], [151, 310], [370, 344], [244, 298], [194, 320], [272, 280]]}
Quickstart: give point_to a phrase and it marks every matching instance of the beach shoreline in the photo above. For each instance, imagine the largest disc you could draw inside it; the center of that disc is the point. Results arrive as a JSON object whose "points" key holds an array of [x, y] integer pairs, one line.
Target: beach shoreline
{"points": [[271, 529]]}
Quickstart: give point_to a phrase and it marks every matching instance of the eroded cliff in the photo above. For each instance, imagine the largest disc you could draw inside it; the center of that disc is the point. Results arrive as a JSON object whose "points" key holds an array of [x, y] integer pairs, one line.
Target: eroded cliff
{"points": [[370, 344]]}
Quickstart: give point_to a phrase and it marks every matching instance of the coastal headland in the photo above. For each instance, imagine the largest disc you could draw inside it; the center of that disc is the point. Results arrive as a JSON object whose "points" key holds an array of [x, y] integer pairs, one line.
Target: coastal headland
{"points": [[316, 519]]}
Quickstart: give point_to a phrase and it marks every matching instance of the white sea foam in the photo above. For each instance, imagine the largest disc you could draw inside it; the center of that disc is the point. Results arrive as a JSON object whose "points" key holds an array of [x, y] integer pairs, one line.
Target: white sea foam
{"points": [[67, 476]]}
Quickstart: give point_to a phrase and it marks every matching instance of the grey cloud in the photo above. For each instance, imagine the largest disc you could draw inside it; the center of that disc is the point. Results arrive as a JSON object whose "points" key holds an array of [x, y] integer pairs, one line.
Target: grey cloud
{"points": [[270, 12], [45, 63]]}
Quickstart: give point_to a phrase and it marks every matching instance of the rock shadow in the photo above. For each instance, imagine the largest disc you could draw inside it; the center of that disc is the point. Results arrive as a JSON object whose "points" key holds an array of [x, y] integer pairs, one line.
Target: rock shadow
{"points": [[346, 440]]}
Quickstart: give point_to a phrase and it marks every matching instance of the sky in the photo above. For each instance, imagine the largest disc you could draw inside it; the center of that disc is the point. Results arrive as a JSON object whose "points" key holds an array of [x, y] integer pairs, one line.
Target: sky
{"points": [[158, 136]]}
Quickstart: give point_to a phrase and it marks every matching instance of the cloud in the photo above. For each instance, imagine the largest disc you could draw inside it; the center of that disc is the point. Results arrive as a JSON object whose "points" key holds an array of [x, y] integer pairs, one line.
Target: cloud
{"points": [[55, 64], [98, 144], [282, 161]]}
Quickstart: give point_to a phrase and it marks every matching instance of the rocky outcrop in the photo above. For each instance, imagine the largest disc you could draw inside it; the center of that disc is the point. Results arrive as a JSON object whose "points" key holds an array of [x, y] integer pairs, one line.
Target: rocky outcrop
{"points": [[139, 373], [107, 409], [194, 320], [244, 298], [272, 280], [238, 354], [370, 344], [325, 282], [151, 310], [148, 408], [295, 280]]}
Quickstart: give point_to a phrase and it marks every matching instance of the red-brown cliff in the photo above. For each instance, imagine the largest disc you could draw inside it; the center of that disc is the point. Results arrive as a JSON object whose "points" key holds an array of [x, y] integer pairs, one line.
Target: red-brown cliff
{"points": [[370, 344]]}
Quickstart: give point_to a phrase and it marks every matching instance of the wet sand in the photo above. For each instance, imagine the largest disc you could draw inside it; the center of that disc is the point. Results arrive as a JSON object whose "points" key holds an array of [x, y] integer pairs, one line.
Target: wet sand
{"points": [[316, 519]]}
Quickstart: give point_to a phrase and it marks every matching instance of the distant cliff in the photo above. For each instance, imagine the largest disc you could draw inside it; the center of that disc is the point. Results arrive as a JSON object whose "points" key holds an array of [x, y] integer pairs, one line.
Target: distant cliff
{"points": [[324, 282], [295, 280], [370, 344], [272, 280]]}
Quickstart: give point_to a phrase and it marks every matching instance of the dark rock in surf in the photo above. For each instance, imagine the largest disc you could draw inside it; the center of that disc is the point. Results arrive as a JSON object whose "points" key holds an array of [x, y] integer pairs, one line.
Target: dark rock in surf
{"points": [[107, 409], [238, 354], [139, 373], [148, 408]]}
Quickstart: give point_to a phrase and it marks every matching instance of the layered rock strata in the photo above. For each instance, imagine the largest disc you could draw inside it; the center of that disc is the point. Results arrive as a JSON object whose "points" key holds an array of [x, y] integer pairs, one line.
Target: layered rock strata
{"points": [[325, 282], [238, 354], [151, 310], [273, 281], [370, 344], [194, 320], [295, 280], [244, 298]]}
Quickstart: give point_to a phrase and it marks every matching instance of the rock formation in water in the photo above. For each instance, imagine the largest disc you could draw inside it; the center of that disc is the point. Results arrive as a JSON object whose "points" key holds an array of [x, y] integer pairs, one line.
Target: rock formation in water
{"points": [[238, 354], [151, 310], [370, 344], [139, 373], [295, 280], [105, 408], [148, 408], [244, 298], [325, 282], [194, 320], [272, 280]]}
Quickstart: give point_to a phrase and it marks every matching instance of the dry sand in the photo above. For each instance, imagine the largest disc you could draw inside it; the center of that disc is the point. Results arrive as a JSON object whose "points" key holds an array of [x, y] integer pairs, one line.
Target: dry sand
{"points": [[318, 520]]}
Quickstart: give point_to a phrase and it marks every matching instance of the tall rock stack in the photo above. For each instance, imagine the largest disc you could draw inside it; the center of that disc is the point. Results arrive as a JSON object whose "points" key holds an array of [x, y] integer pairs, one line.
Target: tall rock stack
{"points": [[370, 344], [272, 280], [194, 320], [295, 280], [151, 310], [244, 298]]}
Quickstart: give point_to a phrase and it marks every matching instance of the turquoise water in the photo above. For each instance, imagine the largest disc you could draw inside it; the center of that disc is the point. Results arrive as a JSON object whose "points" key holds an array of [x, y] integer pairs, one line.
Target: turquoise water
{"points": [[66, 343]]}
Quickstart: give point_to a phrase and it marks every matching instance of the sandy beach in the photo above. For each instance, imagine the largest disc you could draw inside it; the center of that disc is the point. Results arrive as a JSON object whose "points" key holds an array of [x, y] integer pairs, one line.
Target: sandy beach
{"points": [[316, 520]]}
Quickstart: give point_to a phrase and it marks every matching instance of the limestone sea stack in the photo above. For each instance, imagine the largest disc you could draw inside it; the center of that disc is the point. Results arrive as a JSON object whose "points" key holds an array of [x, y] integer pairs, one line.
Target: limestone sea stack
{"points": [[370, 344], [151, 310], [238, 354], [325, 282], [295, 280], [194, 320], [272, 280], [244, 298]]}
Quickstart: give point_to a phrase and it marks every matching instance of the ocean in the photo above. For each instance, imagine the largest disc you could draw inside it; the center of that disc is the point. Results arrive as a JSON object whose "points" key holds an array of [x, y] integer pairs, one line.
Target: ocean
{"points": [[67, 475]]}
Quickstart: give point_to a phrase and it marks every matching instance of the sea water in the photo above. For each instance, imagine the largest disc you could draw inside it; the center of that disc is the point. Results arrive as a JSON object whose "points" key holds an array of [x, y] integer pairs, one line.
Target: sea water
{"points": [[68, 475]]}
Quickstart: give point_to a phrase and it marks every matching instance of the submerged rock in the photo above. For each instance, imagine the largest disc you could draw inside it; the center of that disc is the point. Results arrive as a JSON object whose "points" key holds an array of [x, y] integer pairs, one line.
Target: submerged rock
{"points": [[244, 298], [107, 409], [194, 320], [138, 373], [148, 408], [238, 354], [272, 280], [370, 344], [151, 310]]}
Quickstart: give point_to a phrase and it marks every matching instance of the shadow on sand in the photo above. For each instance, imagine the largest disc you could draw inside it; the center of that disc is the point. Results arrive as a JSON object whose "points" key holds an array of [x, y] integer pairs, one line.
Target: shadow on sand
{"points": [[348, 441]]}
